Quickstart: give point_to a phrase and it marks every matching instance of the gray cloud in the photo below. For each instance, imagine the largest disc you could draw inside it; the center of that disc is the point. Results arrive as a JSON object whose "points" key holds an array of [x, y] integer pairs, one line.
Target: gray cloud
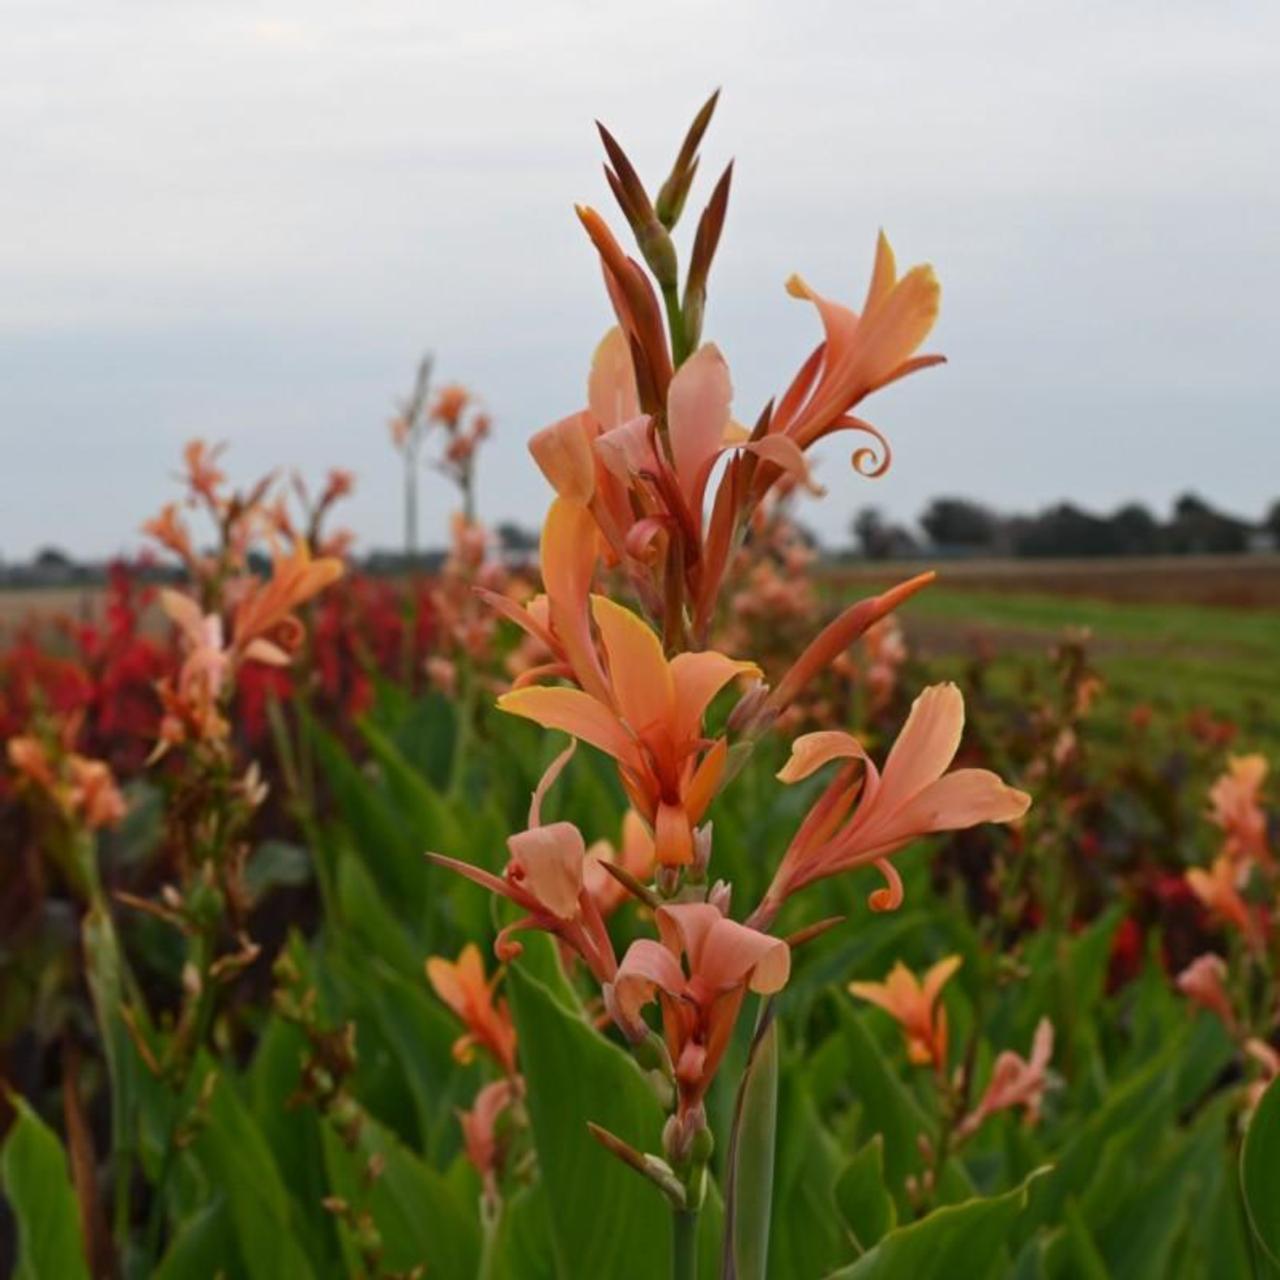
{"points": [[245, 221]]}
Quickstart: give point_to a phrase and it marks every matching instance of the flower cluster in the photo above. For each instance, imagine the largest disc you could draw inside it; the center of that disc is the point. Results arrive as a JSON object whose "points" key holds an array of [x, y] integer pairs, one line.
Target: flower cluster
{"points": [[658, 483]]}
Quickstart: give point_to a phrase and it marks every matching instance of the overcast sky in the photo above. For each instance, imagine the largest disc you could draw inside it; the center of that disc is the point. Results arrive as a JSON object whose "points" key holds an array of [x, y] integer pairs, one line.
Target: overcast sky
{"points": [[246, 221]]}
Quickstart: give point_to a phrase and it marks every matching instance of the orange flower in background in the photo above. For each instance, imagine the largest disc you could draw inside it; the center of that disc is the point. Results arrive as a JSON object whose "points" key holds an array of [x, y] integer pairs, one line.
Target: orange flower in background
{"points": [[635, 855], [92, 792], [1218, 889], [859, 353], [203, 476], [31, 761], [480, 1127], [648, 717], [724, 961], [545, 877], [450, 404], [83, 790], [863, 817], [462, 985], [1015, 1082], [915, 1005], [263, 626], [1236, 809], [170, 532], [1203, 982]]}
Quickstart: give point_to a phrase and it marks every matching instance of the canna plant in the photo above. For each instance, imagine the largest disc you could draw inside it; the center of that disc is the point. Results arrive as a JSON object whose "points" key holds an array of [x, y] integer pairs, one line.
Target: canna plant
{"points": [[658, 483]]}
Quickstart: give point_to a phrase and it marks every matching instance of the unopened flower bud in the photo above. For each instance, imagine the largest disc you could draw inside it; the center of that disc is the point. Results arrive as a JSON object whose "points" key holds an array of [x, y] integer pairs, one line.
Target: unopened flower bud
{"points": [[720, 895]]}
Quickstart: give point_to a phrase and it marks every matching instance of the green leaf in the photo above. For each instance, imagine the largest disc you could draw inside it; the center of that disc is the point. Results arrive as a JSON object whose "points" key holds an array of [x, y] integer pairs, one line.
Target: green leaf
{"points": [[862, 1197], [273, 865], [966, 1239], [418, 1216], [523, 1249], [753, 1147], [606, 1220], [1259, 1163], [37, 1182], [238, 1161], [889, 1109], [204, 1245]]}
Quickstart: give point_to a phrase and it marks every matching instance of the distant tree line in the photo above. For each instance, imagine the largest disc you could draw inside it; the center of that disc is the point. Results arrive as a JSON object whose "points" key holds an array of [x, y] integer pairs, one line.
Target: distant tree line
{"points": [[959, 526]]}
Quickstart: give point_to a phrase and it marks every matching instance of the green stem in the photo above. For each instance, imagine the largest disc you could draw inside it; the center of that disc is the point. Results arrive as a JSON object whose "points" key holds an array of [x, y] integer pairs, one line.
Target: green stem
{"points": [[684, 1239], [675, 322]]}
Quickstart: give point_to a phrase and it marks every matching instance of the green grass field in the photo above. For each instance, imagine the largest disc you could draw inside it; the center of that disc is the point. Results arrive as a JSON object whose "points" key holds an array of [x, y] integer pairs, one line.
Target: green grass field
{"points": [[1177, 657]]}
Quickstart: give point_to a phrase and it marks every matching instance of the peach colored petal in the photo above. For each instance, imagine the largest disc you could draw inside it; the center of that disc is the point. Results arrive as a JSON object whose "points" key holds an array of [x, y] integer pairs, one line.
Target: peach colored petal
{"points": [[884, 274], [547, 781], [568, 564], [672, 835], [925, 746], [576, 713], [627, 450], [938, 975], [957, 800], [697, 678], [565, 454], [783, 452], [706, 780], [550, 859], [638, 670], [811, 751], [647, 967], [611, 384], [697, 418], [734, 953], [532, 622]]}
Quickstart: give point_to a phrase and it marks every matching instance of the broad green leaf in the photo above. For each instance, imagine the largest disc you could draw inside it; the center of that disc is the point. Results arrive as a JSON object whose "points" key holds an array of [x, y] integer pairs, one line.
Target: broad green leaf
{"points": [[889, 1109], [275, 864], [37, 1182], [752, 1150], [291, 1132], [862, 1197], [370, 921], [522, 1248], [806, 1235], [238, 1161], [606, 1219], [418, 1216], [1260, 1172], [966, 1239], [203, 1245]]}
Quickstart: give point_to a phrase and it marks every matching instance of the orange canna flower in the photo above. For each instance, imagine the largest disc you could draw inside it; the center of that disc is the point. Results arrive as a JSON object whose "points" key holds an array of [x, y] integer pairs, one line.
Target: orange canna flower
{"points": [[1218, 890], [646, 712], [1203, 982], [915, 1005], [82, 789], [170, 532], [480, 1127], [1236, 809], [863, 817], [859, 354], [450, 403], [462, 985], [1015, 1082], [635, 855], [93, 793], [544, 876], [29, 759], [263, 627], [203, 476], [724, 961]]}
